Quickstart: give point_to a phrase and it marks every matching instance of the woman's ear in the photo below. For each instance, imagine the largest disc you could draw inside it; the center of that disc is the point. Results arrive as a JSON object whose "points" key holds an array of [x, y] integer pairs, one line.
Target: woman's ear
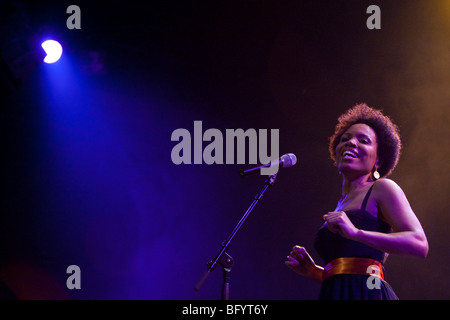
{"points": [[378, 163]]}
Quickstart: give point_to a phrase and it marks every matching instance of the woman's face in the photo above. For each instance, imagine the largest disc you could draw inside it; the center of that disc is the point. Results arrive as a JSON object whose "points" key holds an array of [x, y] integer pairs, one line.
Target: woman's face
{"points": [[356, 152]]}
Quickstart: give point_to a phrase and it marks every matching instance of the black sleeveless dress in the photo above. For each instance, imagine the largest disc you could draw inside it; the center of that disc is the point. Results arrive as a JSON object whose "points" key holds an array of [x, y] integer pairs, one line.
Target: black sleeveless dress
{"points": [[331, 246]]}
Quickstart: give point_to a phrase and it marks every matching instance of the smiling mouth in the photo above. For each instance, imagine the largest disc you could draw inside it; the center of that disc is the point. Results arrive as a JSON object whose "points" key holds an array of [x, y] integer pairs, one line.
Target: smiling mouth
{"points": [[349, 155]]}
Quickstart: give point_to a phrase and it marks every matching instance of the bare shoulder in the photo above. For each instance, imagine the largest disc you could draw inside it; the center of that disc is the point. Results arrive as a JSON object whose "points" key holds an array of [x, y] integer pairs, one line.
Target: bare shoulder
{"points": [[394, 206], [385, 188]]}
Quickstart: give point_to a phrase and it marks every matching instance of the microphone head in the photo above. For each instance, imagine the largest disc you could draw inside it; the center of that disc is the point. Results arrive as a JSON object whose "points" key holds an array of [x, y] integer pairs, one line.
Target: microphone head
{"points": [[288, 160]]}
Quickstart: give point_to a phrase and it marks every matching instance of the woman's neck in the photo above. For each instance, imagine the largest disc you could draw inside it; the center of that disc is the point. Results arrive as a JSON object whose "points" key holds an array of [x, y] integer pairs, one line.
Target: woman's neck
{"points": [[350, 185]]}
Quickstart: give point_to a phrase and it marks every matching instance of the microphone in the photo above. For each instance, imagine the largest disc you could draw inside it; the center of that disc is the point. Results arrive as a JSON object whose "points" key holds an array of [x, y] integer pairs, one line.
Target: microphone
{"points": [[287, 160]]}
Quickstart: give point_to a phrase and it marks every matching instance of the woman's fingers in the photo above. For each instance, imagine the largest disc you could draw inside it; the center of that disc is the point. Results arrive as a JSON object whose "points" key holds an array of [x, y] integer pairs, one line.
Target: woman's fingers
{"points": [[338, 222], [297, 255], [333, 216], [298, 252], [291, 262], [333, 220]]}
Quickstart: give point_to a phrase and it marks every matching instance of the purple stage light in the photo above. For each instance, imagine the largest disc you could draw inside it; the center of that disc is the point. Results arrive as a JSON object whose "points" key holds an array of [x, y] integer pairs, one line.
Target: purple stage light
{"points": [[53, 50]]}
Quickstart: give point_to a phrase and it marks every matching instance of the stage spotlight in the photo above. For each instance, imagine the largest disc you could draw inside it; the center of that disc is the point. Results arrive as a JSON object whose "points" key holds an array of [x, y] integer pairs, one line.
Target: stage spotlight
{"points": [[53, 50]]}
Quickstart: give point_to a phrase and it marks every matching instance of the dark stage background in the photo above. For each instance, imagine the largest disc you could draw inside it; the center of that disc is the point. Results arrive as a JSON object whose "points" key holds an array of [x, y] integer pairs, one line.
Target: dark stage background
{"points": [[87, 173]]}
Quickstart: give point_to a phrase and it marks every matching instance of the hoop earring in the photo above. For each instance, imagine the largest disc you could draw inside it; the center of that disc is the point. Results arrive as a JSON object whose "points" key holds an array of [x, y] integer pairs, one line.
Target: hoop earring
{"points": [[376, 175]]}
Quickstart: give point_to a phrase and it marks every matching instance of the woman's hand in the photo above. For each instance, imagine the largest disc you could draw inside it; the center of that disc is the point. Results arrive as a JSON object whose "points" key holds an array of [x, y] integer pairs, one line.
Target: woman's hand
{"points": [[301, 262], [338, 222]]}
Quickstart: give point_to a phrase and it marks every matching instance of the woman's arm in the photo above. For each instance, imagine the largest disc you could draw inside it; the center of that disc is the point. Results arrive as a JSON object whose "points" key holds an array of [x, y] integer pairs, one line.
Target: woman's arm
{"points": [[407, 237]]}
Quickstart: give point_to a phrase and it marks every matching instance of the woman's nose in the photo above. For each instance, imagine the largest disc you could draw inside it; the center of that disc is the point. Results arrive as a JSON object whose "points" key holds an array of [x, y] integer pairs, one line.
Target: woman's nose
{"points": [[351, 142]]}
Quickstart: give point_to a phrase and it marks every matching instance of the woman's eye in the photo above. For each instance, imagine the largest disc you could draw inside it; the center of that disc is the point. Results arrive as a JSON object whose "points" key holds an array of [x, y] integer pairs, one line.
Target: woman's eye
{"points": [[365, 141]]}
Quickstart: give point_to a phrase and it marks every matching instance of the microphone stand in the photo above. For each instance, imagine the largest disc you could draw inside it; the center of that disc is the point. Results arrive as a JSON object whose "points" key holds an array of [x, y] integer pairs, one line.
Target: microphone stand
{"points": [[223, 258]]}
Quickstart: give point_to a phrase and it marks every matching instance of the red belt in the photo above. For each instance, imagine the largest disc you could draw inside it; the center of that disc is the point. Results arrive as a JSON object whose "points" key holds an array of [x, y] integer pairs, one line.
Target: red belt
{"points": [[346, 265]]}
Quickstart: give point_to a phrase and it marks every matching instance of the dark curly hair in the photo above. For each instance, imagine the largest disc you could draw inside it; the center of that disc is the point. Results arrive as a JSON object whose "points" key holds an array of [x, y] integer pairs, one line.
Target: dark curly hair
{"points": [[388, 137]]}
